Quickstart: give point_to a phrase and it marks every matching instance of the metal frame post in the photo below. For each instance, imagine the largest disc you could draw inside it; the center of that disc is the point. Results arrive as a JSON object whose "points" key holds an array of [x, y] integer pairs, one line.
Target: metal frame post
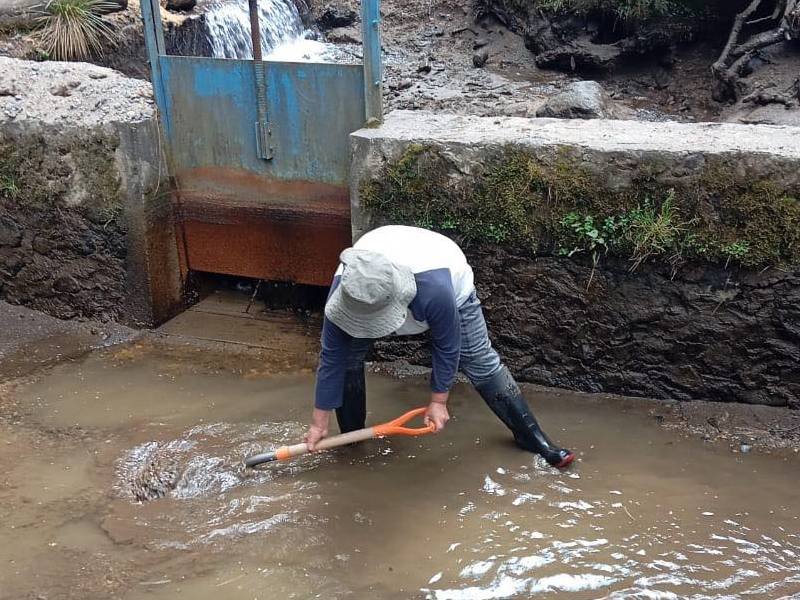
{"points": [[154, 42], [263, 134], [373, 73]]}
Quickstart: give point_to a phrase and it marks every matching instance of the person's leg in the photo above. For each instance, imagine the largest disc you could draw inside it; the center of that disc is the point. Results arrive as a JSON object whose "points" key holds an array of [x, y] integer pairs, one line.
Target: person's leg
{"points": [[481, 364], [352, 414]]}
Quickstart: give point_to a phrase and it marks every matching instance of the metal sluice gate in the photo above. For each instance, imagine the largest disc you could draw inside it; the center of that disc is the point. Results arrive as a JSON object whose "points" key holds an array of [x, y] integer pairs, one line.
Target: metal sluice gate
{"points": [[258, 153]]}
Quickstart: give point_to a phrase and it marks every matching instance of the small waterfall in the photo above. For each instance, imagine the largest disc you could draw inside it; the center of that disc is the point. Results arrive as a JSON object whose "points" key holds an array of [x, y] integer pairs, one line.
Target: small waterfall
{"points": [[229, 27]]}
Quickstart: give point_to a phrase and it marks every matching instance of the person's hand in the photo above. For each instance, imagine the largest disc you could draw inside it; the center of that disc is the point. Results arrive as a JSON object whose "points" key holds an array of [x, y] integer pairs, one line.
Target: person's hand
{"points": [[318, 428], [437, 415]]}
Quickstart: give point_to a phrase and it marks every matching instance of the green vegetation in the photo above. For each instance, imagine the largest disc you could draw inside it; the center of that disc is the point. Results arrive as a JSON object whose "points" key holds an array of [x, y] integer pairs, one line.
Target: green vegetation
{"points": [[624, 10], [75, 29], [33, 179], [555, 205], [8, 186]]}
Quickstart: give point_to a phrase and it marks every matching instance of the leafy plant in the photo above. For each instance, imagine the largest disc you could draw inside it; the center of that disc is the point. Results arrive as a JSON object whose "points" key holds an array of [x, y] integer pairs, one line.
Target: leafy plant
{"points": [[75, 29], [589, 236], [735, 251]]}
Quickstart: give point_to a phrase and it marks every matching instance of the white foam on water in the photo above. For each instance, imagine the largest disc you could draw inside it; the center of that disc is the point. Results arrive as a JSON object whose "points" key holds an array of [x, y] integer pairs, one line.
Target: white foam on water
{"points": [[283, 36], [228, 25]]}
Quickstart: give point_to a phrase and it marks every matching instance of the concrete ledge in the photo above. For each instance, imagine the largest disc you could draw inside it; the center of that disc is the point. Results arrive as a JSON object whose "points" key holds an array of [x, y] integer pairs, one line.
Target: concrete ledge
{"points": [[85, 213], [597, 134], [468, 140], [717, 317]]}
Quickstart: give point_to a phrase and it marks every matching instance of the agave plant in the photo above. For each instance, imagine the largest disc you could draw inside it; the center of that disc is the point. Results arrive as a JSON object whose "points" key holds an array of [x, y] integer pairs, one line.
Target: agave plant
{"points": [[75, 29]]}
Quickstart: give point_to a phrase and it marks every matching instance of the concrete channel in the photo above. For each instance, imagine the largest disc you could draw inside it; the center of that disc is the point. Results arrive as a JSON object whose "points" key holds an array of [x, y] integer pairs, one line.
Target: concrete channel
{"points": [[125, 413]]}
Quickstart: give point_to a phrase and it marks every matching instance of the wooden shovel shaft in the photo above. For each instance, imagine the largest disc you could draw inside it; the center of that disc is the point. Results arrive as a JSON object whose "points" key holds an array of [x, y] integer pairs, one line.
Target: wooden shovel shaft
{"points": [[287, 452], [393, 427]]}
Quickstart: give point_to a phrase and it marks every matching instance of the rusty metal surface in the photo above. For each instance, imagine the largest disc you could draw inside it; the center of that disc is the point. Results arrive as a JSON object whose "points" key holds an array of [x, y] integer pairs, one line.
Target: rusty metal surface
{"points": [[298, 251], [210, 110], [210, 191], [238, 223]]}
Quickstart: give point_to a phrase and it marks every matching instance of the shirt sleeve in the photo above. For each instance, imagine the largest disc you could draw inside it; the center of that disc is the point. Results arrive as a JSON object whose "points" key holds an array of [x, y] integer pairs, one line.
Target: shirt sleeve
{"points": [[332, 364], [441, 313]]}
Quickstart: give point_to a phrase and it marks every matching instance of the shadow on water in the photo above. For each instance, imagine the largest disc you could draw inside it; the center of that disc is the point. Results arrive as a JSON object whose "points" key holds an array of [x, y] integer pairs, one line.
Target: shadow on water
{"points": [[644, 513]]}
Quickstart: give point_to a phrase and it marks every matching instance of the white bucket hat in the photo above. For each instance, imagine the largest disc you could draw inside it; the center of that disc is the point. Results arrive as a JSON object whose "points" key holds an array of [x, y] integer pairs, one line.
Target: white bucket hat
{"points": [[373, 294]]}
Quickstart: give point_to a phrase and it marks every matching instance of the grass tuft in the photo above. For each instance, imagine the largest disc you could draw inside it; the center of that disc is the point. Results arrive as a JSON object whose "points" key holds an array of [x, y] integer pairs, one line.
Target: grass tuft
{"points": [[75, 29], [8, 187]]}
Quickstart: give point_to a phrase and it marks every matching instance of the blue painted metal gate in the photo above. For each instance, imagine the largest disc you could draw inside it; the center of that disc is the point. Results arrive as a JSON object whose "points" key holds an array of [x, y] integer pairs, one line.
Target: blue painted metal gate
{"points": [[259, 155]]}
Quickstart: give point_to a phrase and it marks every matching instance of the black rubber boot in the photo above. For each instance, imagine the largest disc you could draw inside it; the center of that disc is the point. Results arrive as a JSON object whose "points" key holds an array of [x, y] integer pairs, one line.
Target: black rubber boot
{"points": [[352, 414], [504, 397]]}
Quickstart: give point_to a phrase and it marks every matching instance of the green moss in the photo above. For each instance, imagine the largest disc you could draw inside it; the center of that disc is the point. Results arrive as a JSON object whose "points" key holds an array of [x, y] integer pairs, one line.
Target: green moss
{"points": [[103, 201], [555, 204], [40, 180]]}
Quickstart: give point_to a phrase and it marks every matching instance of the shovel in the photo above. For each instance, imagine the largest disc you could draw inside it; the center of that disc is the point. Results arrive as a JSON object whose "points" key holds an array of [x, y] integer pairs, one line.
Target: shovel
{"points": [[394, 427]]}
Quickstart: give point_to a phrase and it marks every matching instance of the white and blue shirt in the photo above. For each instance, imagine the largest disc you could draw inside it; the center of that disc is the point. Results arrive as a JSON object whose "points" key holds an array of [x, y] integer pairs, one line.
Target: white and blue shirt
{"points": [[444, 282]]}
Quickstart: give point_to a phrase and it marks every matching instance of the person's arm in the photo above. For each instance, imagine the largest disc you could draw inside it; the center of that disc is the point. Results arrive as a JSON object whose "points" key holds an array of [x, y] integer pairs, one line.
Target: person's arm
{"points": [[442, 316], [330, 379], [331, 370]]}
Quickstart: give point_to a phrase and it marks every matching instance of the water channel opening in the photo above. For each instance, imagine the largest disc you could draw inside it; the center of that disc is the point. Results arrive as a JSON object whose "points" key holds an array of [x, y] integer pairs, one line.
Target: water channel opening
{"points": [[261, 295]]}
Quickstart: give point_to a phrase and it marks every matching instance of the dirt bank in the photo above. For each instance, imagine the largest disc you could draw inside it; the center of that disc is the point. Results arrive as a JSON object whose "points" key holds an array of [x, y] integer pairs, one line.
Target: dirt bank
{"points": [[85, 219], [429, 62], [648, 334]]}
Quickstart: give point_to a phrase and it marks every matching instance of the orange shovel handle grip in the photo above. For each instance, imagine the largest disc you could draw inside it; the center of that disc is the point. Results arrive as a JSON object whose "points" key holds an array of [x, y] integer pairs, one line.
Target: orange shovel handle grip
{"points": [[395, 427]]}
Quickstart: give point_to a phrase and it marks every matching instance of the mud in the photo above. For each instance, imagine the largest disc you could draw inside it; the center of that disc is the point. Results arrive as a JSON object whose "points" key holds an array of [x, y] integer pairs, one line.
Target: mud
{"points": [[645, 511], [32, 340]]}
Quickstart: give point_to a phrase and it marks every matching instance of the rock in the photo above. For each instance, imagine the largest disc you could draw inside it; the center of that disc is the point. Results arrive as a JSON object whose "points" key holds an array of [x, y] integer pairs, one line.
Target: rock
{"points": [[337, 15], [480, 57], [345, 35], [66, 284], [63, 89], [579, 57], [181, 4], [403, 84], [480, 43], [8, 88], [579, 100], [42, 245], [10, 233], [424, 68], [771, 114]]}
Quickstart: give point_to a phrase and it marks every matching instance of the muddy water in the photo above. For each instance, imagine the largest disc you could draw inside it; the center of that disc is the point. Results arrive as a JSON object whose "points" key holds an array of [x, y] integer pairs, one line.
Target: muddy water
{"points": [[461, 515]]}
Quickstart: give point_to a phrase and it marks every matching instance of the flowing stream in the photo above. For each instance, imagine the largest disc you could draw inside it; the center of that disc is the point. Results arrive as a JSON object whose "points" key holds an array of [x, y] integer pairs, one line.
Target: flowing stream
{"points": [[283, 36]]}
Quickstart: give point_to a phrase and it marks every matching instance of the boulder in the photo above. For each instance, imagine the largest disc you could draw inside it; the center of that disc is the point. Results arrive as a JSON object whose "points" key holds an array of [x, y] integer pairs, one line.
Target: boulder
{"points": [[580, 56], [480, 57], [180, 5], [337, 15], [579, 100], [10, 233]]}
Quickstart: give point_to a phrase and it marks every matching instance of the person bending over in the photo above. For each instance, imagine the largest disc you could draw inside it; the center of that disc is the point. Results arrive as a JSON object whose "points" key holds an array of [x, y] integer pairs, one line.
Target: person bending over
{"points": [[399, 280]]}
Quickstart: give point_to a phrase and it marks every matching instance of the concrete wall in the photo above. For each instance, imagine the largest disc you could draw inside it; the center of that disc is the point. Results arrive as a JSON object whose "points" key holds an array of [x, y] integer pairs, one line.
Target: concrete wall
{"points": [[702, 325], [86, 228]]}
